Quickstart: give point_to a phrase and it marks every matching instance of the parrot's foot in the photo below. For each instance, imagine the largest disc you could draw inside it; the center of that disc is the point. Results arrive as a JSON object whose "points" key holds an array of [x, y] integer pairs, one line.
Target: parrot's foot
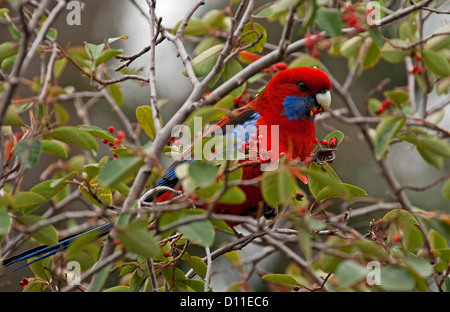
{"points": [[323, 155]]}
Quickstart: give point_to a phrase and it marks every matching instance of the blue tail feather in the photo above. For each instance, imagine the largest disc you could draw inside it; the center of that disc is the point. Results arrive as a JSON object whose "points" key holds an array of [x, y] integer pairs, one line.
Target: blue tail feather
{"points": [[43, 252]]}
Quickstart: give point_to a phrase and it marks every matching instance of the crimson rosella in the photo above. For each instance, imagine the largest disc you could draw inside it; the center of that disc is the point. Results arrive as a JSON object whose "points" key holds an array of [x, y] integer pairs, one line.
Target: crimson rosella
{"points": [[290, 101]]}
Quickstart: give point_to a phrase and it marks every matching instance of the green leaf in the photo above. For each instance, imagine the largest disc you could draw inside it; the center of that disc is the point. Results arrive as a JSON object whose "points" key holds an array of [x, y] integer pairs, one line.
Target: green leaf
{"points": [[279, 188], [27, 202], [116, 93], [28, 152], [199, 232], [206, 60], [53, 147], [349, 272], [346, 191], [371, 55], [254, 33], [351, 46], [305, 61], [393, 54], [443, 254], [323, 177], [203, 173], [377, 35], [399, 215], [436, 62], [232, 68], [97, 132], [368, 247], [439, 42], [283, 279], [12, 118], [446, 190], [50, 188], [386, 130], [197, 264], [115, 171], [5, 222], [73, 136], [107, 55], [8, 49], [136, 238], [41, 269], [435, 145], [118, 289], [398, 97], [338, 135], [412, 237], [436, 240], [233, 195], [395, 278], [429, 156], [144, 115], [281, 6], [205, 114], [94, 50], [422, 267], [46, 235], [329, 20], [195, 27]]}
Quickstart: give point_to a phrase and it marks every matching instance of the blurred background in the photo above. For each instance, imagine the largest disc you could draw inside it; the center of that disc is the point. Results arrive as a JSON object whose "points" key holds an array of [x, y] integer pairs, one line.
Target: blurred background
{"points": [[102, 19]]}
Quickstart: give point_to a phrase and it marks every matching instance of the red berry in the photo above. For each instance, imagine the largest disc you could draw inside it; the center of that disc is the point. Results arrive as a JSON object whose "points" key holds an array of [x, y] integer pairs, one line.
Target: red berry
{"points": [[316, 140], [120, 134], [111, 129], [166, 254], [299, 196], [302, 210], [324, 142], [333, 142], [380, 110], [396, 238], [281, 66], [24, 282], [115, 155], [386, 103], [104, 141]]}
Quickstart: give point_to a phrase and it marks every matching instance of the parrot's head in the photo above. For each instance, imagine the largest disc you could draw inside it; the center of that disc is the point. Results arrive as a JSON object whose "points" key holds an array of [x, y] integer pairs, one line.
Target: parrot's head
{"points": [[299, 93]]}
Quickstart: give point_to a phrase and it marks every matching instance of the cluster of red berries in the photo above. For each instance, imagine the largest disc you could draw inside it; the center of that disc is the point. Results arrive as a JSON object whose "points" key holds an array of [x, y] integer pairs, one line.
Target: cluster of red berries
{"points": [[385, 104], [252, 148], [275, 68], [333, 142], [351, 18], [311, 45], [242, 100], [416, 68], [117, 140]]}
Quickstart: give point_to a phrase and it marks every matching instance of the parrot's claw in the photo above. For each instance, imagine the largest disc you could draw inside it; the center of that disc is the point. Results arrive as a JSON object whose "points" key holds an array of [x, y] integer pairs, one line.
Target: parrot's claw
{"points": [[323, 155]]}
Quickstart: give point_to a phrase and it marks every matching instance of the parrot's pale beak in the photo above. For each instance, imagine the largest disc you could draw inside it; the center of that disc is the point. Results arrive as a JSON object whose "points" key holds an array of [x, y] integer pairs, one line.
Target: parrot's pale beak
{"points": [[324, 99]]}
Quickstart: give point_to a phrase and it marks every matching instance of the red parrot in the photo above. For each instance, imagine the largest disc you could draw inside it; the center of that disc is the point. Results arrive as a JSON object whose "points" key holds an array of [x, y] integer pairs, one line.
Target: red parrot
{"points": [[290, 101]]}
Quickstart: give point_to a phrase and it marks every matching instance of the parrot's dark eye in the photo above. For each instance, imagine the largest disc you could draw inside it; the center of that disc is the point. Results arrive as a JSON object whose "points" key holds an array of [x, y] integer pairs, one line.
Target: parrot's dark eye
{"points": [[302, 86]]}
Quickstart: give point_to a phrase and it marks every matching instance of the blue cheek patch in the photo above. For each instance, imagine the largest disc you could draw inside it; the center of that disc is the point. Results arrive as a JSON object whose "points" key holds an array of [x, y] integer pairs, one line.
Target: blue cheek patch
{"points": [[297, 107]]}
